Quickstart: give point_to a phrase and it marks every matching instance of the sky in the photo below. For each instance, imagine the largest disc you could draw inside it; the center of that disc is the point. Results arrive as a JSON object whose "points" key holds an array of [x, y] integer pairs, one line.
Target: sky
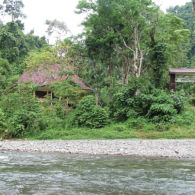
{"points": [[38, 11]]}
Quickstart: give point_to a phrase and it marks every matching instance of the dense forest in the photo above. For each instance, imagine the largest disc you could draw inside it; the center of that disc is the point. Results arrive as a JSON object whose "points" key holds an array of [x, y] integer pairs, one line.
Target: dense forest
{"points": [[123, 58]]}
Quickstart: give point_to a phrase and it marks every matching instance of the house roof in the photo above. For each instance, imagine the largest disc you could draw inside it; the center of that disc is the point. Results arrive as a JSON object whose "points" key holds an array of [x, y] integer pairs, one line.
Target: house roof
{"points": [[49, 74], [182, 71]]}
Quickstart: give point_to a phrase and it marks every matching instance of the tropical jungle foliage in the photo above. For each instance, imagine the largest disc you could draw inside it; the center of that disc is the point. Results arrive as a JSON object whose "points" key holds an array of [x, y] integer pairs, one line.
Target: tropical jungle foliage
{"points": [[123, 55]]}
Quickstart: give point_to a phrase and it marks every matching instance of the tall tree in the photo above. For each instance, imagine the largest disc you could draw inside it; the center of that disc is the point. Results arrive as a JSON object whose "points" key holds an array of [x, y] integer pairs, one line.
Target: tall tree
{"points": [[57, 28], [15, 45], [12, 42], [136, 19], [167, 47], [193, 4], [14, 9], [186, 13], [121, 26], [134, 36]]}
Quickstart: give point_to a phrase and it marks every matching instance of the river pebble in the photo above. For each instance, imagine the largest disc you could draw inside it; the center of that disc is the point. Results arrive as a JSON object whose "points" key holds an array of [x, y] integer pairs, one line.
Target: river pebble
{"points": [[145, 148]]}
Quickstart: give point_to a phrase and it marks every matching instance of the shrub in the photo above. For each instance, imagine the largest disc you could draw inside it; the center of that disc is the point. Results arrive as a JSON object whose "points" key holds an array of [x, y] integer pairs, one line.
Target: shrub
{"points": [[179, 100], [161, 112], [23, 121], [22, 112], [186, 118], [193, 101], [141, 124], [119, 127], [192, 88], [154, 104], [2, 121], [137, 123], [123, 101], [162, 127], [89, 114], [157, 106]]}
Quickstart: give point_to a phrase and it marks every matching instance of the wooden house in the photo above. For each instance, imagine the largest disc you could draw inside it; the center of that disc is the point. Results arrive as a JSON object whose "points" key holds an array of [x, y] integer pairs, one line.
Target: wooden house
{"points": [[44, 76]]}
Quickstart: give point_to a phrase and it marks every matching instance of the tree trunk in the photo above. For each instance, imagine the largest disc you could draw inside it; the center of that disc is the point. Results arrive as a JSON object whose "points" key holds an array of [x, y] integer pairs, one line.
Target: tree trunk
{"points": [[34, 94], [193, 5], [126, 65], [138, 54], [97, 97], [125, 74]]}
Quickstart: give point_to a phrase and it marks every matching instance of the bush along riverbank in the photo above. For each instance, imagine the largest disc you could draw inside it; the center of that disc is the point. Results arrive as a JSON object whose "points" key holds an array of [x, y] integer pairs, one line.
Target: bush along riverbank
{"points": [[153, 114], [140, 128]]}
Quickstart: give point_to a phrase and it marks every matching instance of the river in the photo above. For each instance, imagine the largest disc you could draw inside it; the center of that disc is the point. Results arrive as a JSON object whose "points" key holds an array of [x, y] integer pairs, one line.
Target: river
{"points": [[56, 173]]}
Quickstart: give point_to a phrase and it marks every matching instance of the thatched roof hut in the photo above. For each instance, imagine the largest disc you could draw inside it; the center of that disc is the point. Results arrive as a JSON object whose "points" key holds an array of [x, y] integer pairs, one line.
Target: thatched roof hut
{"points": [[45, 75], [50, 74]]}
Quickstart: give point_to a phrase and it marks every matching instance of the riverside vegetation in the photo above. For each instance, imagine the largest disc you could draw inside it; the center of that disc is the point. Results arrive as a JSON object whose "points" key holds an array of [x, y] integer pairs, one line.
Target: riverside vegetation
{"points": [[123, 54]]}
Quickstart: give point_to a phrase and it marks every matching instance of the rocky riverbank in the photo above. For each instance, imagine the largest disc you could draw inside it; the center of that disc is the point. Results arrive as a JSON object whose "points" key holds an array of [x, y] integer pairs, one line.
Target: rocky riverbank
{"points": [[144, 148]]}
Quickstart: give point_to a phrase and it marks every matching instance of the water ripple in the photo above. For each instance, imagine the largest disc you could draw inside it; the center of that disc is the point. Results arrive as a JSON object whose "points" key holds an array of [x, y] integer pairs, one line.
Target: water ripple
{"points": [[38, 173]]}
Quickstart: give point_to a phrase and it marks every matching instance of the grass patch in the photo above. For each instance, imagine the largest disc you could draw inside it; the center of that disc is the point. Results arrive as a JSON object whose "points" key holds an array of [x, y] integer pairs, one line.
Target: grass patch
{"points": [[140, 128], [115, 131]]}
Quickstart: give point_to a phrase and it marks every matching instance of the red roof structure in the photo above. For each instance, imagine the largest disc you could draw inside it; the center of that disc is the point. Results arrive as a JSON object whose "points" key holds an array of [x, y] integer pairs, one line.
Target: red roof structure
{"points": [[49, 74], [182, 71], [179, 71]]}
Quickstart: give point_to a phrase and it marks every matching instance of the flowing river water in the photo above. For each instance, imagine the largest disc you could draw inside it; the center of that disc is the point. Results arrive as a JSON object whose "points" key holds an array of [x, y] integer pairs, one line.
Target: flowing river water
{"points": [[56, 173]]}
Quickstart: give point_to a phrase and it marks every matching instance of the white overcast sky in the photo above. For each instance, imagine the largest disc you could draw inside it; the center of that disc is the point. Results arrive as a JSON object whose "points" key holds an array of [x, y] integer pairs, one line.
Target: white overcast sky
{"points": [[37, 11]]}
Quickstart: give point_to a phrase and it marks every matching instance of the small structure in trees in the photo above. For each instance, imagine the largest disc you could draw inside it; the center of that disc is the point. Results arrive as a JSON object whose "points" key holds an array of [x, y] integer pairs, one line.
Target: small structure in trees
{"points": [[44, 77], [181, 71]]}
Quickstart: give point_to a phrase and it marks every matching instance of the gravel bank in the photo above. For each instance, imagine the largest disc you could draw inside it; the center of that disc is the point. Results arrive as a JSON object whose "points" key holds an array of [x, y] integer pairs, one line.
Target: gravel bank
{"points": [[144, 148]]}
